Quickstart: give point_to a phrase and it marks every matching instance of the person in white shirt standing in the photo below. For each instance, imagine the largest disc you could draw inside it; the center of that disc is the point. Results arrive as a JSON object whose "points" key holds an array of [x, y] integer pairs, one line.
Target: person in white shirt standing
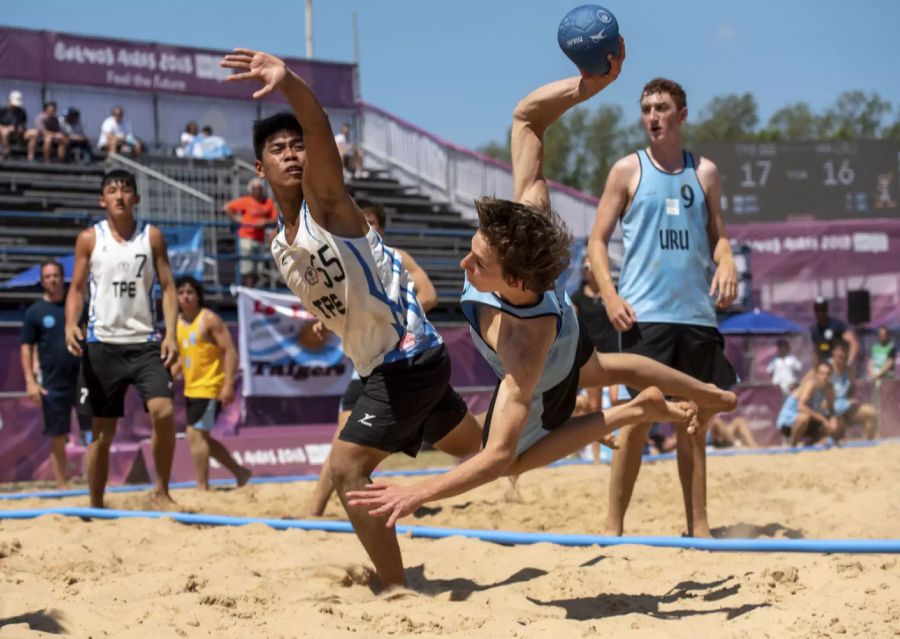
{"points": [[123, 257], [116, 134], [784, 368]]}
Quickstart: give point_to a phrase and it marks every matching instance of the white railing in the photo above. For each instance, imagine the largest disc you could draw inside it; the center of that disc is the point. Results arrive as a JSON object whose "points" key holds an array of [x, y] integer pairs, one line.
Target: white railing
{"points": [[449, 173]]}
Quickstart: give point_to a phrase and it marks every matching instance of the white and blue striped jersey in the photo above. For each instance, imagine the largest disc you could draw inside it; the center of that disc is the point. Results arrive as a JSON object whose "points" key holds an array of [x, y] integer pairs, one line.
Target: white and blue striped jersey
{"points": [[359, 289], [121, 280]]}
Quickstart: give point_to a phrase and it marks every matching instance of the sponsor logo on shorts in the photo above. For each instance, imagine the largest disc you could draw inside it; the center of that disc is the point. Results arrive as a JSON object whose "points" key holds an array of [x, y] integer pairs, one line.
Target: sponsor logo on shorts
{"points": [[367, 420]]}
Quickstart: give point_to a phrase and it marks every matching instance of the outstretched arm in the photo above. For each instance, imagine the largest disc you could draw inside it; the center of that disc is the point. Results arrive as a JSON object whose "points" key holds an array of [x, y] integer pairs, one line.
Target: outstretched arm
{"points": [[537, 111], [323, 173]]}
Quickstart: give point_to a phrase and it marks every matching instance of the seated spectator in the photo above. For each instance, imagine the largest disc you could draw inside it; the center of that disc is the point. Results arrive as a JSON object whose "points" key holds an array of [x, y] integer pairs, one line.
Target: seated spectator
{"points": [[48, 131], [827, 331], [13, 123], [117, 136], [70, 122], [726, 434], [254, 212], [190, 132], [882, 356], [351, 155], [784, 368], [808, 413], [848, 409], [207, 146]]}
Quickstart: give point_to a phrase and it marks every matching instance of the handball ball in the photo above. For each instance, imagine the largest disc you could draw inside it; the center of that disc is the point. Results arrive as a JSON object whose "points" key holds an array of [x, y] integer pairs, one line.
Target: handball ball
{"points": [[587, 35]]}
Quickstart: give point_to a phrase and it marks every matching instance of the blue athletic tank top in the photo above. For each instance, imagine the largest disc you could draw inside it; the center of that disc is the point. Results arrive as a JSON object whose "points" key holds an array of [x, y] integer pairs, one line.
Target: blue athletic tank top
{"points": [[667, 270], [841, 384], [560, 359]]}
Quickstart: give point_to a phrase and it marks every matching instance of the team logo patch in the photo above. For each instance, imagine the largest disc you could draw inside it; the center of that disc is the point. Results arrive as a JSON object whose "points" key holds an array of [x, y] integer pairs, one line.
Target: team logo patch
{"points": [[311, 276], [48, 321], [123, 266], [673, 206], [408, 341]]}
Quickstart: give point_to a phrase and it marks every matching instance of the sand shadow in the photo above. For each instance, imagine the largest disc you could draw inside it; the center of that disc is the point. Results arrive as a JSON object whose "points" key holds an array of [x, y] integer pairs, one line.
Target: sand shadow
{"points": [[744, 530], [461, 589], [614, 604], [43, 620]]}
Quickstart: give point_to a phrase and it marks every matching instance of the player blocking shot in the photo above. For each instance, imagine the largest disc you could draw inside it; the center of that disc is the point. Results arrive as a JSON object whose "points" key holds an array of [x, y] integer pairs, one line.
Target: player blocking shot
{"points": [[359, 289]]}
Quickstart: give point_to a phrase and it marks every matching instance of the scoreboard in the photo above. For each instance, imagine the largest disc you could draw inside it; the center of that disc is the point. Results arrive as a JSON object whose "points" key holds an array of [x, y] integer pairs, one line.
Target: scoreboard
{"points": [[770, 181]]}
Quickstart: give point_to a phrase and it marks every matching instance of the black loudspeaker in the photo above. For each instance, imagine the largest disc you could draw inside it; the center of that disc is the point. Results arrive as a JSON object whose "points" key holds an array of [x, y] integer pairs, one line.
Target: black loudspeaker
{"points": [[859, 310]]}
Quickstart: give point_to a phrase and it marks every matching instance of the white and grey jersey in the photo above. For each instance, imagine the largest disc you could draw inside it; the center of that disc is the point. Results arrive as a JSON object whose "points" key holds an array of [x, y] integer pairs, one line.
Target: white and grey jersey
{"points": [[121, 284], [360, 290]]}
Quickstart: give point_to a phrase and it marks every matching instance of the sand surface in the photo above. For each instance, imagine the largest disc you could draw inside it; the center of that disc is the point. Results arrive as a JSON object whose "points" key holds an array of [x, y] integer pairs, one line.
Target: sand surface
{"points": [[157, 578]]}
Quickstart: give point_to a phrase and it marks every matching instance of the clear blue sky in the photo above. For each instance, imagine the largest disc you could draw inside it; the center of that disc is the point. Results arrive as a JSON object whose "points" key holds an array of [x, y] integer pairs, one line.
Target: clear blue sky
{"points": [[457, 67]]}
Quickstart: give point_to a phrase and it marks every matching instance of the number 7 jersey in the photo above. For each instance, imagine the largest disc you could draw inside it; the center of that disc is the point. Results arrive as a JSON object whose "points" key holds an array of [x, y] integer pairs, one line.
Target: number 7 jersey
{"points": [[360, 290], [121, 284]]}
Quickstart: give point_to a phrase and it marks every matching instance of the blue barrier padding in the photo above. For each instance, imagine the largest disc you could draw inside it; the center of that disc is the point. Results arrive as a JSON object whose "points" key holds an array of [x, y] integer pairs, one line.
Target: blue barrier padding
{"points": [[424, 472], [850, 546]]}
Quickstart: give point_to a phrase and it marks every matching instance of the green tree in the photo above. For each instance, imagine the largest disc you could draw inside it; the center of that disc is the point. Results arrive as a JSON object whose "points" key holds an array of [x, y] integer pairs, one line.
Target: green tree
{"points": [[892, 131], [793, 122], [496, 150], [854, 116], [727, 118]]}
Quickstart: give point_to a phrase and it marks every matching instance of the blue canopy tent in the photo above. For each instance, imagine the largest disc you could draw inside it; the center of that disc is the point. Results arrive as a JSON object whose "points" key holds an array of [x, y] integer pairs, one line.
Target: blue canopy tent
{"points": [[758, 323], [32, 276]]}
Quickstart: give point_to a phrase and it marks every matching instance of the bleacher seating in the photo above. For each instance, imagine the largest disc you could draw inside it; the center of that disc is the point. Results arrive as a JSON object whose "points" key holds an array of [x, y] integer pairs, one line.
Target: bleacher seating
{"points": [[44, 206]]}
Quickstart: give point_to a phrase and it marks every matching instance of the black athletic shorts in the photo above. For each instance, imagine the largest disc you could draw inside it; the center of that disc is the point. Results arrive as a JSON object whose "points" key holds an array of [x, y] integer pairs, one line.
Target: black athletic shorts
{"points": [[57, 409], [814, 430], [406, 403], [697, 351], [109, 369], [559, 401], [351, 395], [202, 412]]}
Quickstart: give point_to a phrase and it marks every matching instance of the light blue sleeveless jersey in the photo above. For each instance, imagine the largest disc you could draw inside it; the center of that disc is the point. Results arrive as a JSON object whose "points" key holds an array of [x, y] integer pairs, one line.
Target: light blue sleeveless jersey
{"points": [[547, 409], [667, 270]]}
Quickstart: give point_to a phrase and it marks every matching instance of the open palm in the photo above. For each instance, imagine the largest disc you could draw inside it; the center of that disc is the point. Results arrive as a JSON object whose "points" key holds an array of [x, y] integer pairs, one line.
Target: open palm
{"points": [[256, 65]]}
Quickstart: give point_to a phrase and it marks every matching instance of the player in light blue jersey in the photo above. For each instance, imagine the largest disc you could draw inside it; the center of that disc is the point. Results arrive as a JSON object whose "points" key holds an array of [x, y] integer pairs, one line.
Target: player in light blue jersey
{"points": [[527, 330], [677, 258]]}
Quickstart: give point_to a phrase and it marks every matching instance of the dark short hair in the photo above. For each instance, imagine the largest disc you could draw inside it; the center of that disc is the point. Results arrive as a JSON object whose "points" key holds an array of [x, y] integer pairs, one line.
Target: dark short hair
{"points": [[663, 85], [267, 127], [50, 103], [841, 344], [193, 283], [782, 343], [207, 130], [366, 204], [532, 243], [118, 175], [62, 272]]}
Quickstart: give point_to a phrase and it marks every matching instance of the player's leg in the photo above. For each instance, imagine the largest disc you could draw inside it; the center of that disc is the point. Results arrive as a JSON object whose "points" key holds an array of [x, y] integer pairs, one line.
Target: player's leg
{"points": [[577, 432], [799, 428], [57, 420], [154, 384], [868, 416], [58, 459], [324, 486], [626, 465], [691, 455], [104, 431], [105, 372]]}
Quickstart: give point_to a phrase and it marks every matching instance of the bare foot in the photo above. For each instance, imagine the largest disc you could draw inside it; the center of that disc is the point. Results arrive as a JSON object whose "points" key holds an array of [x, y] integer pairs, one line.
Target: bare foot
{"points": [[243, 476], [701, 532], [161, 499], [657, 409]]}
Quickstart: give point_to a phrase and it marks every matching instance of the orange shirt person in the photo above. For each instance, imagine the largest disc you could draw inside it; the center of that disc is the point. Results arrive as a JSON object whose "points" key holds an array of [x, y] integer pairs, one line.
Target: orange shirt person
{"points": [[253, 212]]}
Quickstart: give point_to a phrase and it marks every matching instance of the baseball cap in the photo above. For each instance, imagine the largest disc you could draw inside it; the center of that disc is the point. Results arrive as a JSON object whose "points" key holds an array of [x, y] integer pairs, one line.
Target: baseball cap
{"points": [[820, 303], [15, 98]]}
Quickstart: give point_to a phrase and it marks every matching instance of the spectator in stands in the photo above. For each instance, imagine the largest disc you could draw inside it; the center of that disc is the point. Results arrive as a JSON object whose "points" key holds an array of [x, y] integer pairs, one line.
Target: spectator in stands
{"points": [[70, 123], [207, 146], [784, 368], [116, 135], [48, 131], [849, 410], [254, 212], [808, 413], [44, 326], [882, 356], [13, 123], [187, 137], [827, 331], [351, 154]]}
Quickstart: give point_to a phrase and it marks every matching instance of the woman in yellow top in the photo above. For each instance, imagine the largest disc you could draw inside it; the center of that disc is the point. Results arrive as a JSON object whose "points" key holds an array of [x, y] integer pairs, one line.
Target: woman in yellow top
{"points": [[208, 360]]}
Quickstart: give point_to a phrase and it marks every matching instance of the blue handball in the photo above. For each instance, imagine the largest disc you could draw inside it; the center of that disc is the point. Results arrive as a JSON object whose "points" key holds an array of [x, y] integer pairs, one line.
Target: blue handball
{"points": [[587, 35]]}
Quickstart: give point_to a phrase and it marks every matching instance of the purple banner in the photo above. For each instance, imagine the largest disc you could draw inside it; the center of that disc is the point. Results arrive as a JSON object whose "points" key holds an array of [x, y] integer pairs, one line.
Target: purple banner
{"points": [[51, 57], [793, 262]]}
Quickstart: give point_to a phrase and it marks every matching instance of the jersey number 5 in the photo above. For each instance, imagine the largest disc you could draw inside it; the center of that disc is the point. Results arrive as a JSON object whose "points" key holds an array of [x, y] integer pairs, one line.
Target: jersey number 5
{"points": [[327, 262]]}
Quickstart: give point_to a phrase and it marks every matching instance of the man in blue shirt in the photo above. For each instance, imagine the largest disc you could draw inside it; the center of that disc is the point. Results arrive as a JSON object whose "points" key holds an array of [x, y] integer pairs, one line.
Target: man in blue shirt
{"points": [[827, 331], [44, 326]]}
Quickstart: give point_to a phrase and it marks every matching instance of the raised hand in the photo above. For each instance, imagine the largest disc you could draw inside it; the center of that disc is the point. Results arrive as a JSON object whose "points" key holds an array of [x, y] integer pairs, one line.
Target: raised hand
{"points": [[256, 65], [594, 83]]}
